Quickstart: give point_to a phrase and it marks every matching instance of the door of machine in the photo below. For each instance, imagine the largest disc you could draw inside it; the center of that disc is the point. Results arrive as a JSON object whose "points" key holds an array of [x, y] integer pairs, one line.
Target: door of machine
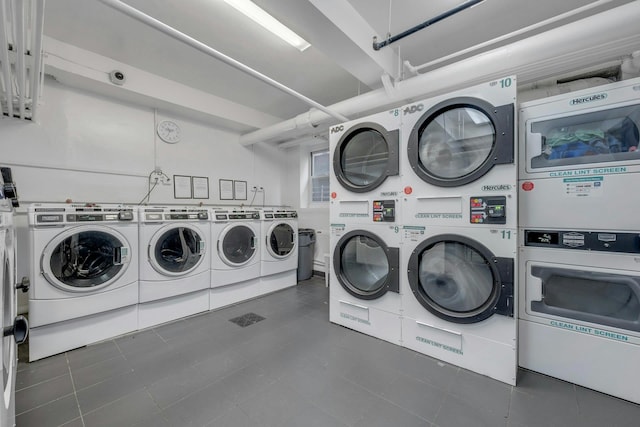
{"points": [[595, 296], [281, 240], [459, 140], [85, 258], [459, 280], [596, 138], [8, 345], [365, 266], [237, 245], [176, 249], [365, 156]]}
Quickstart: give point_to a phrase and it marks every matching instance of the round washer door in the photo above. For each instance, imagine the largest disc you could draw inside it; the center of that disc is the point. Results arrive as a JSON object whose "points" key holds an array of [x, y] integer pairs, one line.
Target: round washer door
{"points": [[365, 266], [459, 140], [85, 258], [8, 313], [281, 240], [365, 156], [237, 245], [176, 249], [459, 280]]}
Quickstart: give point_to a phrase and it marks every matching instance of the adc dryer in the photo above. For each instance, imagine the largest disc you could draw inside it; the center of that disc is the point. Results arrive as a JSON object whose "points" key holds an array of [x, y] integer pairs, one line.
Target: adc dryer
{"points": [[365, 240], [459, 227]]}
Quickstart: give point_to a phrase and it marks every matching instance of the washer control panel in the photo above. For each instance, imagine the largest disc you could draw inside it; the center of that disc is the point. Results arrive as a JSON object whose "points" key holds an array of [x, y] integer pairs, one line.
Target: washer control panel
{"points": [[488, 210], [384, 210]]}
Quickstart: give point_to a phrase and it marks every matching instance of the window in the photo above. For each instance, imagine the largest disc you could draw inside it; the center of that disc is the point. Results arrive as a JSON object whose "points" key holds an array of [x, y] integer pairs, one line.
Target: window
{"points": [[320, 176]]}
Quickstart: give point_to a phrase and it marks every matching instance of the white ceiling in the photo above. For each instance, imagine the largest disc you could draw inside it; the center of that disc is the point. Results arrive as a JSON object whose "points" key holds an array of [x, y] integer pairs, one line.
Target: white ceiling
{"points": [[340, 64]]}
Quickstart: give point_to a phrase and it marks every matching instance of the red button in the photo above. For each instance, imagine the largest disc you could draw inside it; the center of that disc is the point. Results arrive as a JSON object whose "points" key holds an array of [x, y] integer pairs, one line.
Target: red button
{"points": [[408, 190], [334, 195], [527, 186]]}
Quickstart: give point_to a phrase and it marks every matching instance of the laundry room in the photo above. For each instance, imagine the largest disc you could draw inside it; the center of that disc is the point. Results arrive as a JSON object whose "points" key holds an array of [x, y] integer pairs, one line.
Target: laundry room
{"points": [[333, 213]]}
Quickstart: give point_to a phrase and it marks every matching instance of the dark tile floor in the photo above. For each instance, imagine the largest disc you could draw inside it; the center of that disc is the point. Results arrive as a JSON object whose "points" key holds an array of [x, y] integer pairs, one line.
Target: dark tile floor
{"points": [[293, 368]]}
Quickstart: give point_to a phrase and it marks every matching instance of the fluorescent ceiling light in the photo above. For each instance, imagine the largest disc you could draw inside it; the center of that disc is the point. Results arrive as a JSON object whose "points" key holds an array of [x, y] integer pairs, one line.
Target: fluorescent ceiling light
{"points": [[252, 11]]}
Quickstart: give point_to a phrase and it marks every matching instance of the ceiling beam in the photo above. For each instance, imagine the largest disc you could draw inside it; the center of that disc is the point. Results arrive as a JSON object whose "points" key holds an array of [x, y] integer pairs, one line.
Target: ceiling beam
{"points": [[367, 65]]}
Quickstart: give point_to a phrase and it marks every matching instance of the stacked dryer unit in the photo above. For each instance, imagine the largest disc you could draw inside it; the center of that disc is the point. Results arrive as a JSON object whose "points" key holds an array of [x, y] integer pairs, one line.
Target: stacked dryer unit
{"points": [[175, 264], [364, 213], [278, 248], [459, 228], [580, 240], [235, 255], [15, 328], [84, 274]]}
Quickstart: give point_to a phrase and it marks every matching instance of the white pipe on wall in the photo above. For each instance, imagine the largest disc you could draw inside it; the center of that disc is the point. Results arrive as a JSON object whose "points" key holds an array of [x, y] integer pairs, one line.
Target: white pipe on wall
{"points": [[596, 39], [36, 54], [4, 57], [21, 70]]}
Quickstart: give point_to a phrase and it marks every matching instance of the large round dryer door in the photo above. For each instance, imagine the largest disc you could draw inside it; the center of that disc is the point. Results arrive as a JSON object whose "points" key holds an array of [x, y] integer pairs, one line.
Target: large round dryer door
{"points": [[176, 249], [365, 156], [365, 266], [458, 141], [281, 240], [85, 258], [8, 346], [459, 279], [237, 245]]}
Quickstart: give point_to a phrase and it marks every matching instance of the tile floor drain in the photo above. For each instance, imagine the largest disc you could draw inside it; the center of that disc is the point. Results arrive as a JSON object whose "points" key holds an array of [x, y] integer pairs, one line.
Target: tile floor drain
{"points": [[246, 319]]}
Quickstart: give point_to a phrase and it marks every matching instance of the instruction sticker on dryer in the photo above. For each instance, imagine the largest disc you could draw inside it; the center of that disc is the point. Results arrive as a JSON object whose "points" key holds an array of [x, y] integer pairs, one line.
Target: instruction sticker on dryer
{"points": [[591, 186], [413, 233]]}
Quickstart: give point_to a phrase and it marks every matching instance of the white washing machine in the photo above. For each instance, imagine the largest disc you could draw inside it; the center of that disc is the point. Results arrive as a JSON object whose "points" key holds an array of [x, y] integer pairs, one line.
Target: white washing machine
{"points": [[364, 292], [175, 266], [458, 299], [580, 153], [458, 163], [459, 226], [580, 308], [235, 256], [15, 328], [278, 248], [84, 273]]}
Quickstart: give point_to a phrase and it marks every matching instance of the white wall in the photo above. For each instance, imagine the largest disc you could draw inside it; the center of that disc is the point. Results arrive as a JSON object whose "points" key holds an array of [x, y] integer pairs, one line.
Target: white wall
{"points": [[90, 148], [296, 193]]}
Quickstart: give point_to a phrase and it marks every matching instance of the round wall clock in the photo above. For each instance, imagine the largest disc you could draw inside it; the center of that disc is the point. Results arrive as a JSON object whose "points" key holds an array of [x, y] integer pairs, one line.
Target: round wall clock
{"points": [[169, 131]]}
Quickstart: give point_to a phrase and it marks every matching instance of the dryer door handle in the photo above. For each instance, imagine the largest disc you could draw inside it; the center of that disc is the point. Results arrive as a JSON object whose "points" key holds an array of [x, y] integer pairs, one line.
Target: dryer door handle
{"points": [[533, 288], [19, 329], [24, 284], [253, 242], [120, 255], [201, 246]]}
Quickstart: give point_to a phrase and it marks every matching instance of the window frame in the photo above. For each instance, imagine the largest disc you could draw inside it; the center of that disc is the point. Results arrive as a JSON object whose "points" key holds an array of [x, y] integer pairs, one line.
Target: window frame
{"points": [[324, 198]]}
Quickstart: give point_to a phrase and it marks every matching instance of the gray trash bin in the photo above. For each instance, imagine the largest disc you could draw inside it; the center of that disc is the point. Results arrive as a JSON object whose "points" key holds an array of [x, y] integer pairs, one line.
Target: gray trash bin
{"points": [[306, 245]]}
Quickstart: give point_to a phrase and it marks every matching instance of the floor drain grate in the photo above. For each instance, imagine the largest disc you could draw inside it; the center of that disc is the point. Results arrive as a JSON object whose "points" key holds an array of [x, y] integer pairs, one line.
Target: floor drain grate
{"points": [[246, 319]]}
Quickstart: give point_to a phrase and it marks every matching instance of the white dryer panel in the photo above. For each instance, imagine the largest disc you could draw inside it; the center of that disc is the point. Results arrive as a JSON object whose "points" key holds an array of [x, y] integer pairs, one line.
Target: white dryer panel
{"points": [[364, 157], [577, 309], [364, 292], [578, 158], [443, 265], [457, 147]]}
